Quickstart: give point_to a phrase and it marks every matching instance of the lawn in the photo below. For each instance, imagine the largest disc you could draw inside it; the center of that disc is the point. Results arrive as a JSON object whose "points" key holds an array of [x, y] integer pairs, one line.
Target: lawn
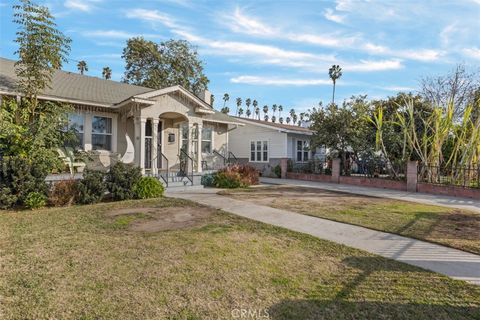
{"points": [[452, 227], [172, 259]]}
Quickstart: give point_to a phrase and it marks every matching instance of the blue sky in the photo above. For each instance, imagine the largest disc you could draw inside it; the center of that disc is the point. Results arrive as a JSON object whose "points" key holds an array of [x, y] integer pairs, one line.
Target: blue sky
{"points": [[278, 51]]}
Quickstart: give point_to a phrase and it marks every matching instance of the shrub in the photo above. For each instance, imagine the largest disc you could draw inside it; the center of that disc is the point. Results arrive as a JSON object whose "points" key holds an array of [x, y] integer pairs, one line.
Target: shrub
{"points": [[20, 176], [277, 170], [120, 180], [92, 187], [148, 187], [63, 193], [35, 200], [236, 176], [208, 180]]}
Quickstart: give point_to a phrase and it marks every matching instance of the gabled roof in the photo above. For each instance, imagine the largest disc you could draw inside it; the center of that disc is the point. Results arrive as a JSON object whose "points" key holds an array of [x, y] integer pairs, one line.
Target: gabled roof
{"points": [[73, 86], [279, 126]]}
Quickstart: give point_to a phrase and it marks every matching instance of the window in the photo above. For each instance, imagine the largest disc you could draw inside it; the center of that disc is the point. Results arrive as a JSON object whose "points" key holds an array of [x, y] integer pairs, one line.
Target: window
{"points": [[206, 140], [102, 133], [259, 151], [303, 149], [184, 136], [76, 123]]}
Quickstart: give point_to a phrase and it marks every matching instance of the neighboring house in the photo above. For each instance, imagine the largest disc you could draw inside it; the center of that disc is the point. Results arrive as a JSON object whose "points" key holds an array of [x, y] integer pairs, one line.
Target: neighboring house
{"points": [[263, 144], [133, 124]]}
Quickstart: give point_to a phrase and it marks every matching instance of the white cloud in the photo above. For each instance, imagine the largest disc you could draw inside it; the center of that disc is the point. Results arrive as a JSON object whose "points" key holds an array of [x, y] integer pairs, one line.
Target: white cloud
{"points": [[243, 24], [82, 5], [116, 34], [275, 81], [411, 54], [153, 16], [398, 88], [473, 52], [447, 33], [330, 15], [370, 66]]}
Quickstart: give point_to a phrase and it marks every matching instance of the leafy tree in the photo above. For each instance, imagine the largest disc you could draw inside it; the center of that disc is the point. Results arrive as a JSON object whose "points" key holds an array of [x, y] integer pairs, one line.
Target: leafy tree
{"points": [[335, 72], [239, 103], [107, 73], [82, 66], [42, 48], [169, 63]]}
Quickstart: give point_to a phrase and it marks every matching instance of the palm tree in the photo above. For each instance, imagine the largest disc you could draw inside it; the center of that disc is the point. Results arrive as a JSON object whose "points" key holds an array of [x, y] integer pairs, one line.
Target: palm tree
{"points": [[335, 72], [255, 104], [247, 103], [240, 112], [274, 119], [265, 117], [226, 97], [288, 120], [294, 118], [274, 110], [239, 103], [292, 112], [225, 110], [280, 109], [82, 66], [265, 110], [248, 113], [257, 112], [280, 120], [107, 73]]}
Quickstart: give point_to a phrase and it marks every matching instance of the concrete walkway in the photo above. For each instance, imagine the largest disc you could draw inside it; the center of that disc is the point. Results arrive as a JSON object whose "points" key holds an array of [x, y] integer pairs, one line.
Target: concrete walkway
{"points": [[452, 202], [451, 262]]}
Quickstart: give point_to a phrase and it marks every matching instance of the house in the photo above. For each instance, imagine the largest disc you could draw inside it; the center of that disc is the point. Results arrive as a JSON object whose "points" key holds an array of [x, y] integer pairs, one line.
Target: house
{"points": [[169, 129], [263, 144]]}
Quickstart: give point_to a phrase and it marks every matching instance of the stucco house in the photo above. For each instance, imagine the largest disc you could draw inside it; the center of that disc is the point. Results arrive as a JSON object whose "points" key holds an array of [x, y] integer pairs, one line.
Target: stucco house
{"points": [[170, 129], [263, 144]]}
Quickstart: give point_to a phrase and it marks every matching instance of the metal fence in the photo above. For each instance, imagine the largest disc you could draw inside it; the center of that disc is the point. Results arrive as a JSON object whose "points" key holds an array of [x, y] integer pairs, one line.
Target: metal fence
{"points": [[317, 166], [374, 169], [467, 177]]}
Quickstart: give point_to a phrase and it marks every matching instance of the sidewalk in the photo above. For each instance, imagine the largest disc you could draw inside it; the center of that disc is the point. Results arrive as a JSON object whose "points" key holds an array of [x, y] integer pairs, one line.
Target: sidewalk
{"points": [[451, 262], [452, 202]]}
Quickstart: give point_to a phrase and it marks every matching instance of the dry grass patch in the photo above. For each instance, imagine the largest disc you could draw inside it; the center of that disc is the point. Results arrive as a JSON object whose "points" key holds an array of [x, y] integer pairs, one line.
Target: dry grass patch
{"points": [[82, 263], [452, 227]]}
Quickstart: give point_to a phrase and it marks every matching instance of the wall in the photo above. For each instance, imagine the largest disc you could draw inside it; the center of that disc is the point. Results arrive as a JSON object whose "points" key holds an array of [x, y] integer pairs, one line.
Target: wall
{"points": [[448, 190]]}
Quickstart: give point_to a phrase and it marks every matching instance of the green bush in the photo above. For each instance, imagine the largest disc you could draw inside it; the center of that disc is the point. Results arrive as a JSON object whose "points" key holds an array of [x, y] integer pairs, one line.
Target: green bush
{"points": [[35, 200], [63, 193], [208, 180], [92, 187], [148, 187], [229, 180], [19, 177], [120, 180], [277, 170]]}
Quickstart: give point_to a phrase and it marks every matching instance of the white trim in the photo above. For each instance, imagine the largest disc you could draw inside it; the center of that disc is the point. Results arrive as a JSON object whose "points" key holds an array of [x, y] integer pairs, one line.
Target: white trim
{"points": [[160, 92], [303, 155], [266, 125], [224, 122]]}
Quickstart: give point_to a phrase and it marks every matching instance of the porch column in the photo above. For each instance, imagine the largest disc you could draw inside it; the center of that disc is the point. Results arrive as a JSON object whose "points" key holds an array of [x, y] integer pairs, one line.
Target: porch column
{"points": [[140, 142], [199, 147], [154, 145]]}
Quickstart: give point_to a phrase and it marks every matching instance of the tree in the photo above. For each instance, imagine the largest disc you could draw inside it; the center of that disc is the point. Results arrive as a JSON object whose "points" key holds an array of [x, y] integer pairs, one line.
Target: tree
{"points": [[169, 63], [274, 110], [226, 97], [255, 107], [239, 104], [257, 113], [225, 110], [274, 119], [42, 48], [107, 73], [247, 103], [248, 113], [240, 112], [288, 120], [265, 111], [280, 109], [294, 118], [335, 72], [280, 120], [82, 66], [265, 117]]}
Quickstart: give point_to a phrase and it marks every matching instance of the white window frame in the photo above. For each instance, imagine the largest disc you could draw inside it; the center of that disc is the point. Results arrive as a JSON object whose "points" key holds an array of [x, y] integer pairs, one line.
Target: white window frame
{"points": [[210, 140], [104, 134], [262, 144], [302, 150], [82, 132]]}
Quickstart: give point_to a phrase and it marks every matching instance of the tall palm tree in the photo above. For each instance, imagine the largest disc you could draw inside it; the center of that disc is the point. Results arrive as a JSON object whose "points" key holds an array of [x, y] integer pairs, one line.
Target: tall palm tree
{"points": [[274, 110], [226, 97], [107, 73], [292, 112], [274, 119], [248, 102], [294, 118], [257, 113], [225, 110], [82, 66], [255, 104], [265, 117], [239, 103], [280, 120], [288, 120], [240, 112], [265, 110], [280, 109], [335, 72]]}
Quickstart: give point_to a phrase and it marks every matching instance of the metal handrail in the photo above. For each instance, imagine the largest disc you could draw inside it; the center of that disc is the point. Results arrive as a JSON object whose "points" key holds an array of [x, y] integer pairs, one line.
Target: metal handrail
{"points": [[231, 156], [222, 156], [182, 152], [167, 168]]}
